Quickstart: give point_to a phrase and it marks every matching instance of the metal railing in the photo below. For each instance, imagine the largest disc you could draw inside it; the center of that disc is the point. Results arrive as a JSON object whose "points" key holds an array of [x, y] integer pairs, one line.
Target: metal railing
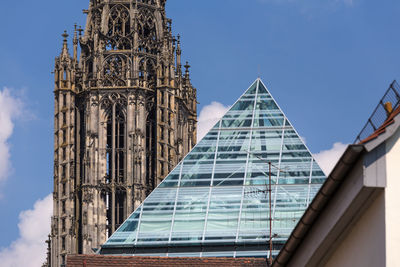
{"points": [[381, 112]]}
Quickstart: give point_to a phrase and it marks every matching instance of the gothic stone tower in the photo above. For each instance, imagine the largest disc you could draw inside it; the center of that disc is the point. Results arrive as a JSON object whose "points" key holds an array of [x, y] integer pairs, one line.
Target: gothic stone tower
{"points": [[125, 114]]}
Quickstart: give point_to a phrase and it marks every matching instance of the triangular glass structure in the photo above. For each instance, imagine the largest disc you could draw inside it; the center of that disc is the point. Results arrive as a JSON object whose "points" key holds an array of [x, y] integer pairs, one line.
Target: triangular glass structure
{"points": [[215, 202]]}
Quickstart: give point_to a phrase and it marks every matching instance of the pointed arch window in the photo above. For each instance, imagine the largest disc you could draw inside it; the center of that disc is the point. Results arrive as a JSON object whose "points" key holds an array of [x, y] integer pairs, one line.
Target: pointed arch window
{"points": [[146, 25], [119, 28], [147, 32], [116, 166], [116, 134], [114, 70], [147, 71]]}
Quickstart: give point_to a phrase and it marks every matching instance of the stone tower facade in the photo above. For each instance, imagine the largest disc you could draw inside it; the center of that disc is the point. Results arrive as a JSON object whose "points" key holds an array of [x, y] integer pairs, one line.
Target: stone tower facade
{"points": [[125, 115]]}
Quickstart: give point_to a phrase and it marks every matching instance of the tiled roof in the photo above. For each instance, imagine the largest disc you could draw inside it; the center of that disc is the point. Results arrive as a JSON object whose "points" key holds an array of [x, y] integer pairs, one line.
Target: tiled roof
{"points": [[383, 127], [123, 261]]}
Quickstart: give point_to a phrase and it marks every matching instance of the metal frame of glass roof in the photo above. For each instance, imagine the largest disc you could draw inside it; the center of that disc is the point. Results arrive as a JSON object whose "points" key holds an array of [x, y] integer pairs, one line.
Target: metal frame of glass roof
{"points": [[214, 203]]}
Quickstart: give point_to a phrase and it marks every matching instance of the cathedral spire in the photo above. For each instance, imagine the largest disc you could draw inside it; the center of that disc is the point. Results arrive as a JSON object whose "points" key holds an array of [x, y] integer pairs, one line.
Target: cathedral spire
{"points": [[64, 67], [187, 71], [65, 52], [75, 42], [178, 56]]}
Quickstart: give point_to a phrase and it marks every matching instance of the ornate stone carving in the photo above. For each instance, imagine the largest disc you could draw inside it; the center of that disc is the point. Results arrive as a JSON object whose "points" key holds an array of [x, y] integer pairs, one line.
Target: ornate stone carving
{"points": [[115, 71], [129, 62], [119, 29], [109, 99], [88, 196]]}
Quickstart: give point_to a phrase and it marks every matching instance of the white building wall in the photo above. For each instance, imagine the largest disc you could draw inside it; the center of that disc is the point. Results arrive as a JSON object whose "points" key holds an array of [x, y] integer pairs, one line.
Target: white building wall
{"points": [[364, 242], [392, 197]]}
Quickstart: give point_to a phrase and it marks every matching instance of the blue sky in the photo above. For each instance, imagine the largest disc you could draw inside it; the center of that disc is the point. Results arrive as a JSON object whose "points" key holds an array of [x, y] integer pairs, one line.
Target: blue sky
{"points": [[326, 62]]}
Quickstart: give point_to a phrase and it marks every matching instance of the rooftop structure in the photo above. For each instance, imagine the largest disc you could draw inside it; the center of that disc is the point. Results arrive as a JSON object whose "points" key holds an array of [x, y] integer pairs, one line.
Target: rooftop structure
{"points": [[118, 261], [354, 218], [215, 202], [389, 102]]}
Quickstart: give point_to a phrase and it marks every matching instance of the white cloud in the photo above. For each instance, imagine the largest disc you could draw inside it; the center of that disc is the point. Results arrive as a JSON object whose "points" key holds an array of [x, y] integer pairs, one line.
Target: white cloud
{"points": [[327, 159], [34, 226], [10, 109], [209, 116]]}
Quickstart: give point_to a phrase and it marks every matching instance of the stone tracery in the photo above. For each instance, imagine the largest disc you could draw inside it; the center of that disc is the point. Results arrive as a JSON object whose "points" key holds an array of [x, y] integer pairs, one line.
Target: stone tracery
{"points": [[119, 29], [126, 88], [115, 70]]}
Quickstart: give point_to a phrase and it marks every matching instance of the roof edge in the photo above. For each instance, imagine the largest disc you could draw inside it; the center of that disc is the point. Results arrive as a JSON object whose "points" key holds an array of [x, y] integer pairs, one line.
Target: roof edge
{"points": [[351, 155]]}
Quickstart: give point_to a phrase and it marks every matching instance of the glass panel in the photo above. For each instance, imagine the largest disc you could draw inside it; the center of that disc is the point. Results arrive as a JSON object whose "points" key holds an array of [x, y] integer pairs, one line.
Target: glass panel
{"points": [[251, 90], [262, 89], [223, 213], [191, 209], [219, 192]]}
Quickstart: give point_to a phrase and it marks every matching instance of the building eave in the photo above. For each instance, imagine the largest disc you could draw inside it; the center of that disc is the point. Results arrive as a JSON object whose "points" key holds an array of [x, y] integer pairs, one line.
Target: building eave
{"points": [[335, 179]]}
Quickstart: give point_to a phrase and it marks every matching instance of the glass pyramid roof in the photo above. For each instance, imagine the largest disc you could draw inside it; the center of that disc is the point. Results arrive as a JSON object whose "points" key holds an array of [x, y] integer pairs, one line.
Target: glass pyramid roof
{"points": [[215, 202]]}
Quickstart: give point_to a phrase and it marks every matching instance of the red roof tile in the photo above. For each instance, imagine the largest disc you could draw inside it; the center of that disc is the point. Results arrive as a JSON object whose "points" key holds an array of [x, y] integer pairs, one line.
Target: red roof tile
{"points": [[382, 129], [124, 261]]}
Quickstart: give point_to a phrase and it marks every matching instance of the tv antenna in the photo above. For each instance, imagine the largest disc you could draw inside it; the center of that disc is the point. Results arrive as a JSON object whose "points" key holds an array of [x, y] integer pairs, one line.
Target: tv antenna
{"points": [[269, 191]]}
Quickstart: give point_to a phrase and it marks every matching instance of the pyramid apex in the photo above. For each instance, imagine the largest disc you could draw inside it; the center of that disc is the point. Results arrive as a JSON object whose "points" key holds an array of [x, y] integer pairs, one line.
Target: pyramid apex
{"points": [[216, 194]]}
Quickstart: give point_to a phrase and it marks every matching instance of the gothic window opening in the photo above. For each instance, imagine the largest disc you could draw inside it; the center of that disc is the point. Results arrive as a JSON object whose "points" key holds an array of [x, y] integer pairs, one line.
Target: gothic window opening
{"points": [[151, 73], [162, 151], [63, 170], [141, 69], [114, 71], [64, 134], [147, 32], [119, 27], [118, 43], [151, 145], [64, 118], [162, 115], [89, 69], [147, 71], [162, 133], [146, 25], [64, 100], [64, 153], [162, 168], [106, 195], [116, 145], [109, 150], [162, 70], [120, 207], [120, 145], [116, 165]]}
